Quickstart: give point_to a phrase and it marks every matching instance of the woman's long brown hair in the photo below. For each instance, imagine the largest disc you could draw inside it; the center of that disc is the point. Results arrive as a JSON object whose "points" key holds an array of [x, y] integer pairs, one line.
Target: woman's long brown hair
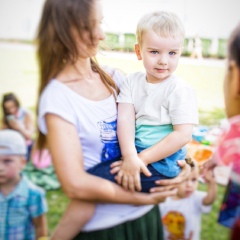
{"points": [[234, 46], [56, 44]]}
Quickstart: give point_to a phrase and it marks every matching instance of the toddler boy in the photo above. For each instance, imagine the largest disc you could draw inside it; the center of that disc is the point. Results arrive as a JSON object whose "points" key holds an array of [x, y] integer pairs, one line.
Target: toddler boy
{"points": [[22, 204]]}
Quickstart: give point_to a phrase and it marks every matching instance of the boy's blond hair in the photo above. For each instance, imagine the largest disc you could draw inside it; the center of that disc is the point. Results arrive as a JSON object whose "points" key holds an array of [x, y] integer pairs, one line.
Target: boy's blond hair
{"points": [[164, 24]]}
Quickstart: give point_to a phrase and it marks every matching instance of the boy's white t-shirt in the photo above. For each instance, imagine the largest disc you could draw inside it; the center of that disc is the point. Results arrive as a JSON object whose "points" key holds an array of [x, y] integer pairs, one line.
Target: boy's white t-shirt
{"points": [[158, 106], [182, 218], [95, 122]]}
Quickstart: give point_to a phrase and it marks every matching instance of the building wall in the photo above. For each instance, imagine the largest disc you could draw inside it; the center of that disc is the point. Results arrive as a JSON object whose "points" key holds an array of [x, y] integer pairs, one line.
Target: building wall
{"points": [[207, 18]]}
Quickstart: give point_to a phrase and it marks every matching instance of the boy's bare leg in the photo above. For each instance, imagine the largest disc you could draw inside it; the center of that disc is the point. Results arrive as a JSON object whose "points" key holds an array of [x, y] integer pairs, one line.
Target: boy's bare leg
{"points": [[77, 214]]}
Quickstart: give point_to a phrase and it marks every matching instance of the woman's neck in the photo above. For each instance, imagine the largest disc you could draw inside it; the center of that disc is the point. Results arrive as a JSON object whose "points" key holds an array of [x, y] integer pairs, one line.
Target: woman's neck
{"points": [[81, 69]]}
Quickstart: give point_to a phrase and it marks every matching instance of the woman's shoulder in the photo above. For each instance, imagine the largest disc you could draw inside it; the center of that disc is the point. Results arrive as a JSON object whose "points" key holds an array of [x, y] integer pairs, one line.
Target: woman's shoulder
{"points": [[55, 91], [117, 75]]}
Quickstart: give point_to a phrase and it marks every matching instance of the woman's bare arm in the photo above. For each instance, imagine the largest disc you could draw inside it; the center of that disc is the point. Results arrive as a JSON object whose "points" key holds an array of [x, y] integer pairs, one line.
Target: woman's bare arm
{"points": [[66, 151]]}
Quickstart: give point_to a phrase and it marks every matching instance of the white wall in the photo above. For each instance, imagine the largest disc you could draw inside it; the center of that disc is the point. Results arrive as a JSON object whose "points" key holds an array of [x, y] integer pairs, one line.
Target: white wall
{"points": [[19, 18], [207, 18]]}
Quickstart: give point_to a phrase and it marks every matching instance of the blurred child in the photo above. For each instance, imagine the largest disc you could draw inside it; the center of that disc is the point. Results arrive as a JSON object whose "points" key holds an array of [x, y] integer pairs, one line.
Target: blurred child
{"points": [[228, 150], [17, 118], [22, 204], [181, 214]]}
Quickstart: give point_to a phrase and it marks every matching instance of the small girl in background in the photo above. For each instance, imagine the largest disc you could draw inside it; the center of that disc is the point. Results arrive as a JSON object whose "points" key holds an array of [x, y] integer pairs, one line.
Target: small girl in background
{"points": [[17, 118], [181, 214], [228, 151]]}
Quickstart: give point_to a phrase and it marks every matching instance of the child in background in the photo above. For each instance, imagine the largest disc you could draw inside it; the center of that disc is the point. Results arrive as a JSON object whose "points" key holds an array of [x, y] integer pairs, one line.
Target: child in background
{"points": [[22, 204], [181, 214], [228, 151], [17, 118], [156, 109]]}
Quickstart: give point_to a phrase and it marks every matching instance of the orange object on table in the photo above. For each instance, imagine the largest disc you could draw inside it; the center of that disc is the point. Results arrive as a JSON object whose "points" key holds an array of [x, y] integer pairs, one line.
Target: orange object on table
{"points": [[202, 154]]}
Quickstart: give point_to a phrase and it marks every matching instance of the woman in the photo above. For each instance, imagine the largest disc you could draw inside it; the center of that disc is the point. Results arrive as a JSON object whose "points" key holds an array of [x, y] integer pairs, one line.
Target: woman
{"points": [[77, 113], [17, 118], [228, 150]]}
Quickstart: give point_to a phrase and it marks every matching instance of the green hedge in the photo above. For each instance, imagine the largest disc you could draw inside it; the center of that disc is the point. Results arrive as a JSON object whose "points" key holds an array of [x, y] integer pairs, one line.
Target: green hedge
{"points": [[222, 48], [113, 41]]}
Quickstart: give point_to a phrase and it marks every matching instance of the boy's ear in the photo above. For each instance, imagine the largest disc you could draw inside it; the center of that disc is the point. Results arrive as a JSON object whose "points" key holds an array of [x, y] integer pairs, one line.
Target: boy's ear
{"points": [[138, 51], [235, 78]]}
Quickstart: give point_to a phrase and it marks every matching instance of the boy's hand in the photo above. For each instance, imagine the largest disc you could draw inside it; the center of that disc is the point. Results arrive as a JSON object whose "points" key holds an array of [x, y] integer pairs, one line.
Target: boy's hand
{"points": [[129, 174], [208, 176], [207, 166]]}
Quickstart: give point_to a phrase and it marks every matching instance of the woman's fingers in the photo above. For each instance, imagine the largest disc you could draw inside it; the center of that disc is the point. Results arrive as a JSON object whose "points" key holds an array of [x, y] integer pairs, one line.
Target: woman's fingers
{"points": [[161, 196], [186, 169], [164, 188]]}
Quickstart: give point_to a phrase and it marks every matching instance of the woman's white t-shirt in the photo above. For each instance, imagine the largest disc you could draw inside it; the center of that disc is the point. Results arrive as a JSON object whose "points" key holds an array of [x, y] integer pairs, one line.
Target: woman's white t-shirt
{"points": [[95, 122]]}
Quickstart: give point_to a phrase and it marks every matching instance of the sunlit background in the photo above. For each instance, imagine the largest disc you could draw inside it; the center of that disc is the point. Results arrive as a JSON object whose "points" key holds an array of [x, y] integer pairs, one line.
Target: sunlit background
{"points": [[207, 18], [212, 20]]}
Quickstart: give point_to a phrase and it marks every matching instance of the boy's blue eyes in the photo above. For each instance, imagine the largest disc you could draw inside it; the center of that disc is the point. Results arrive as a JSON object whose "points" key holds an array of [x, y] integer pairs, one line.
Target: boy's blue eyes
{"points": [[154, 52], [170, 53]]}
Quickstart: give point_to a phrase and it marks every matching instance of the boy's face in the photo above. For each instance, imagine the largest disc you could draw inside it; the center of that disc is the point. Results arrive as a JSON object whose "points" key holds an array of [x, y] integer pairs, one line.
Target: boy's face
{"points": [[160, 55], [187, 187], [10, 168]]}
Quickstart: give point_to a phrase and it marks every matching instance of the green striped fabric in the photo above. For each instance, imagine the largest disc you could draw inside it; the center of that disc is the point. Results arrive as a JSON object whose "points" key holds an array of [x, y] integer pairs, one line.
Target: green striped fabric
{"points": [[147, 227]]}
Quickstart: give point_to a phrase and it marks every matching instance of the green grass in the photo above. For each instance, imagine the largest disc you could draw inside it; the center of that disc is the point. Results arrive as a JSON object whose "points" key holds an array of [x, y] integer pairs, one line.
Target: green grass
{"points": [[211, 230], [19, 74]]}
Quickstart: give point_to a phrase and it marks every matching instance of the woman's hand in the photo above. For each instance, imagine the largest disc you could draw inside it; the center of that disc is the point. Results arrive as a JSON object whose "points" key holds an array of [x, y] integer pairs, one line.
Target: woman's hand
{"points": [[169, 184], [159, 197]]}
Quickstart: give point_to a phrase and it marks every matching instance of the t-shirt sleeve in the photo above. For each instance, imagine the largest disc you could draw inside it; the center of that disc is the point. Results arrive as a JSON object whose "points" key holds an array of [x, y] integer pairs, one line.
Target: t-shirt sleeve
{"points": [[37, 203], [199, 196], [54, 100], [183, 107], [117, 75], [125, 95]]}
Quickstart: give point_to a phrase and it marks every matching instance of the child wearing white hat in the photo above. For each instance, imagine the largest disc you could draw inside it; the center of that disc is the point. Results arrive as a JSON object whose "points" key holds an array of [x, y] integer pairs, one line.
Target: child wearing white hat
{"points": [[22, 204]]}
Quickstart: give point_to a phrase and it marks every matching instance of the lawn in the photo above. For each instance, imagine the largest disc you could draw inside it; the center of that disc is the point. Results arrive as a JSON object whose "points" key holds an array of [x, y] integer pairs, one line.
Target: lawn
{"points": [[19, 74]]}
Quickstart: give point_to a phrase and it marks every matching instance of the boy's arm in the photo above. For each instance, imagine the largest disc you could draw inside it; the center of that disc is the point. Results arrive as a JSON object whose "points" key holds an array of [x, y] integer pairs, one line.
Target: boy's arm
{"points": [[40, 224], [129, 175], [126, 129], [181, 135], [212, 188]]}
